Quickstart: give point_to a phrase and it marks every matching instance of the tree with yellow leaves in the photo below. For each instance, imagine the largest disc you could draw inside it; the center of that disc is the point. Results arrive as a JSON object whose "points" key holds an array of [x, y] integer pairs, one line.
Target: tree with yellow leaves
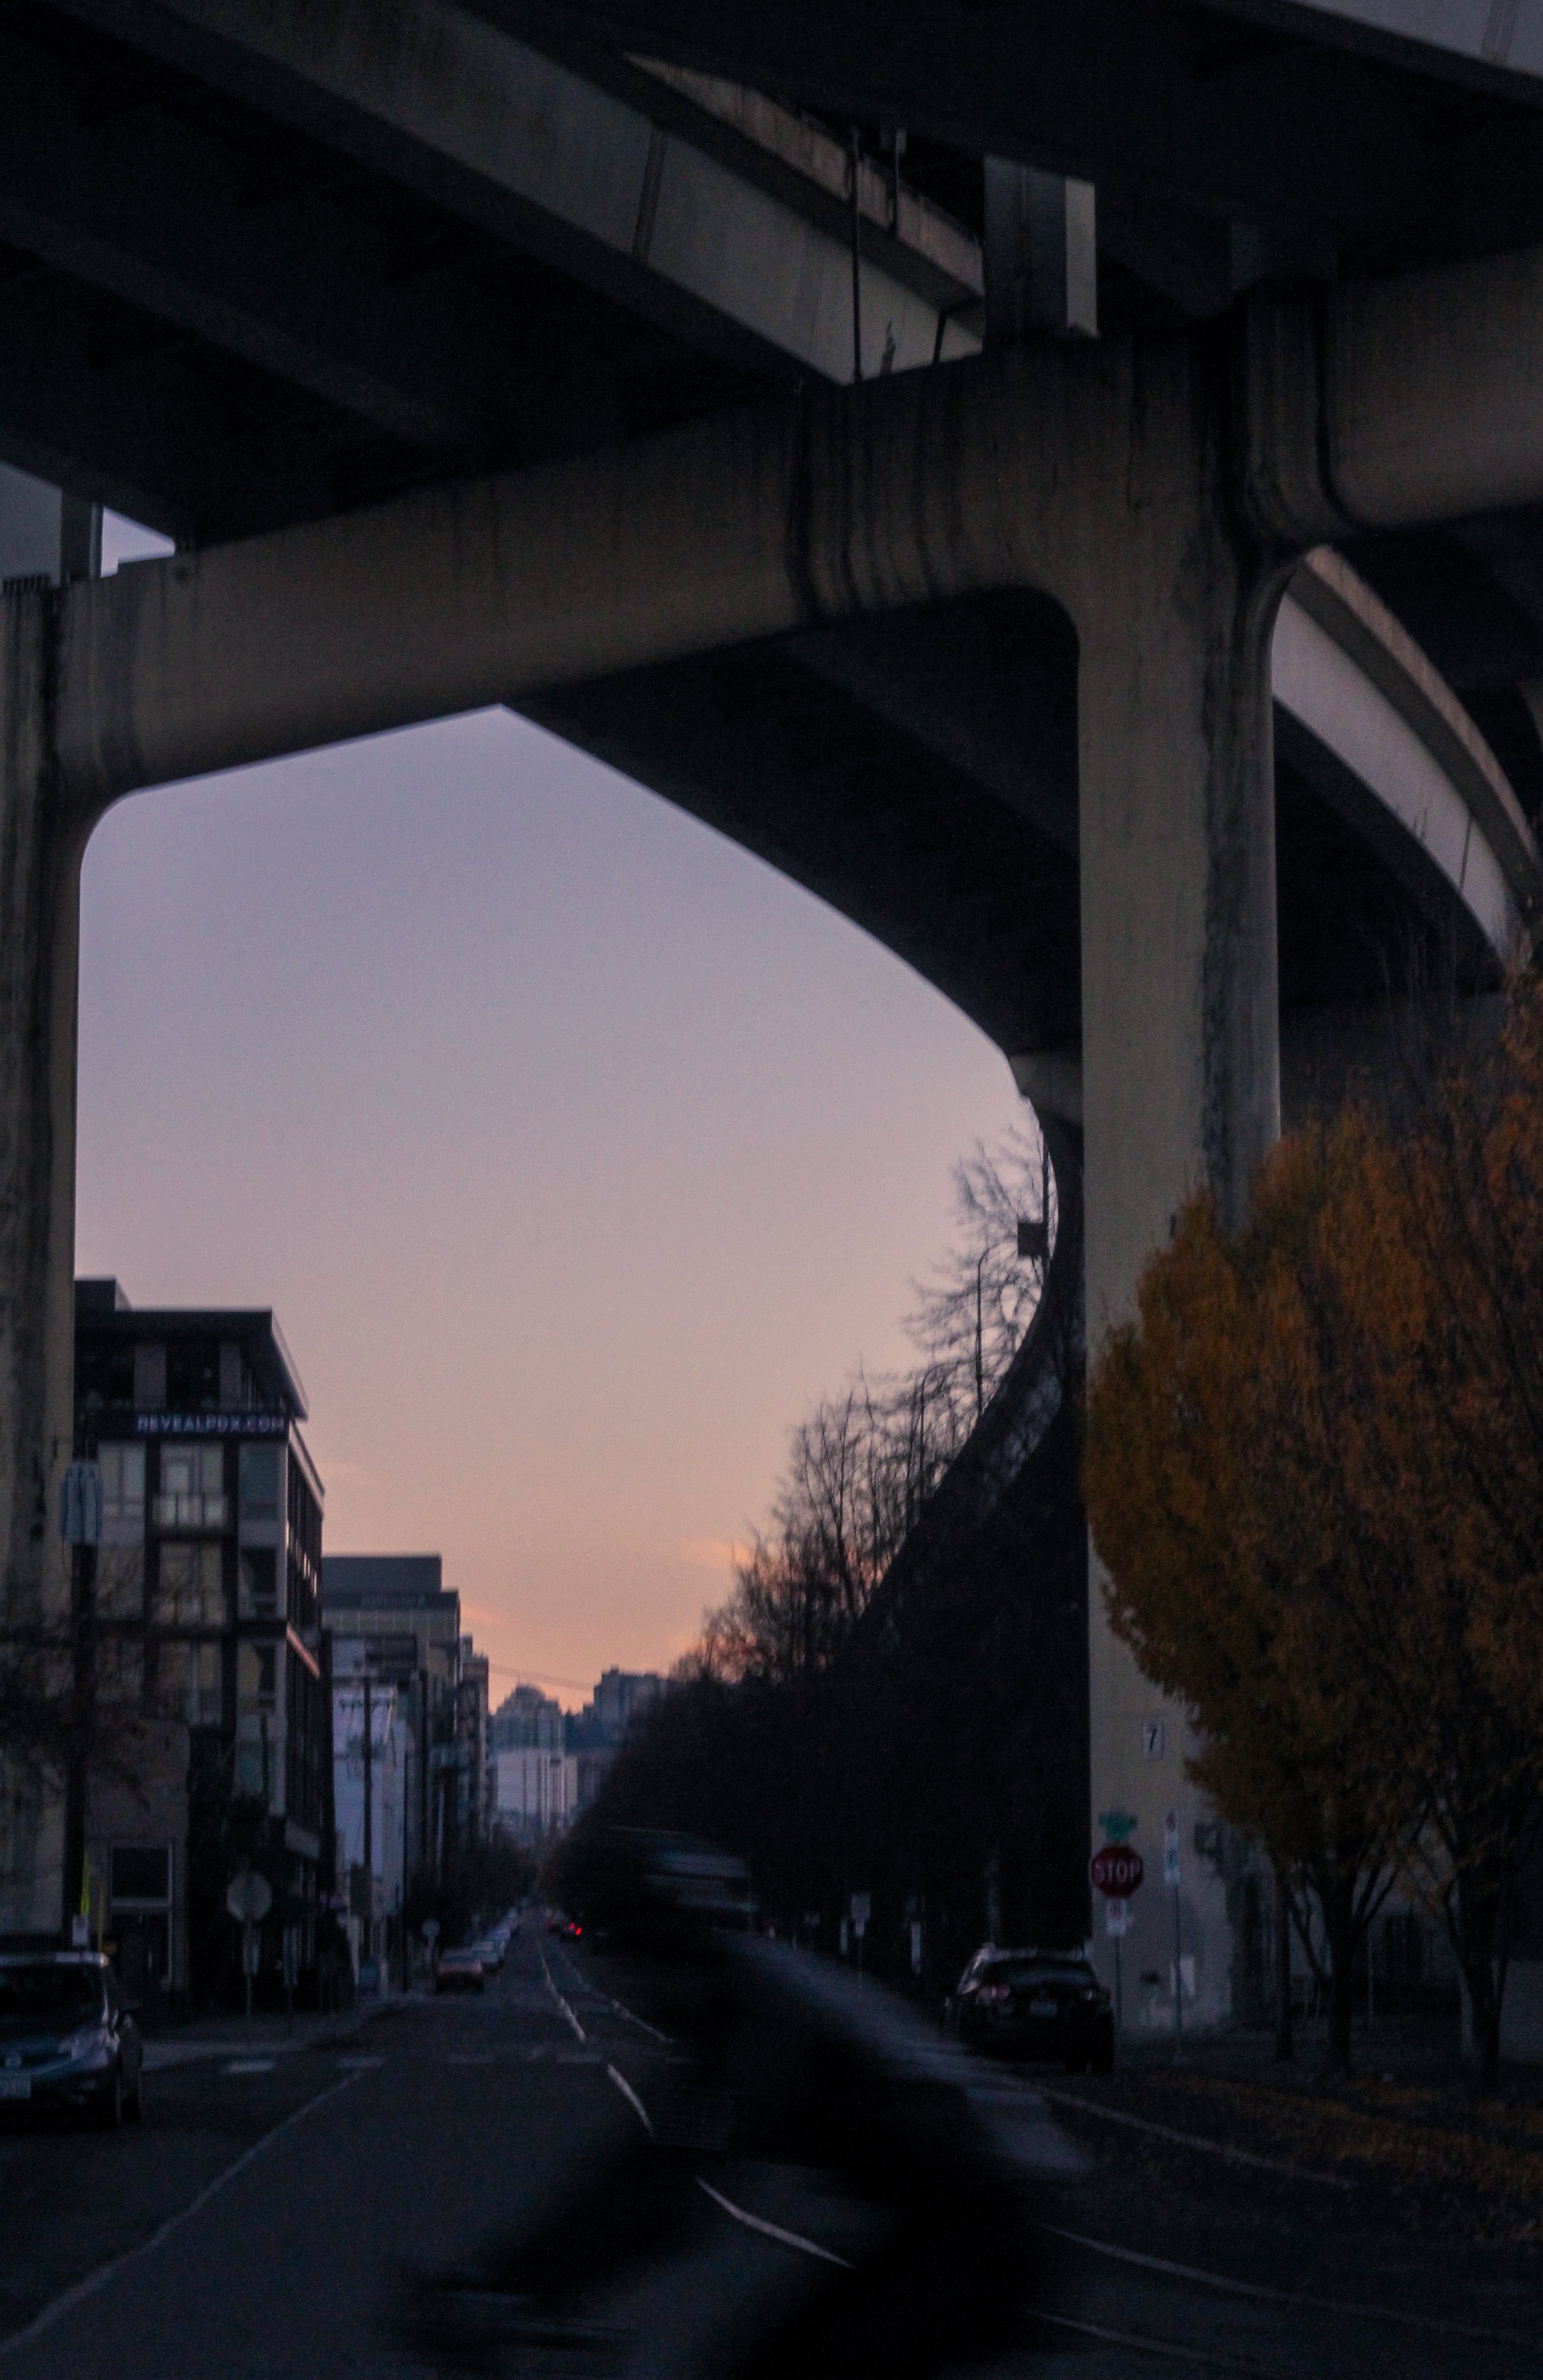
{"points": [[1315, 1477]]}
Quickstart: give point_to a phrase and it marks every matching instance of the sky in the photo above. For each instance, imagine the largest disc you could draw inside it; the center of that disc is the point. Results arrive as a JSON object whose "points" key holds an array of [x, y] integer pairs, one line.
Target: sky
{"points": [[576, 1151]]}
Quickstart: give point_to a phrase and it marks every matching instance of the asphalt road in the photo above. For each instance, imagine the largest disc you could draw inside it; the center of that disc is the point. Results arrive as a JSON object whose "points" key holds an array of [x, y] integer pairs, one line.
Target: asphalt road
{"points": [[350, 2209]]}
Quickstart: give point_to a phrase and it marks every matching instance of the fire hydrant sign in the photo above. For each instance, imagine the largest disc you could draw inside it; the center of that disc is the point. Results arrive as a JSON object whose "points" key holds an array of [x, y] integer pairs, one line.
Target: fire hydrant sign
{"points": [[1117, 1870]]}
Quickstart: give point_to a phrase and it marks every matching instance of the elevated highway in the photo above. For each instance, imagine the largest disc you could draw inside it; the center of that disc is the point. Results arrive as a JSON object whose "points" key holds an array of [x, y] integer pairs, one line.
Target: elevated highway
{"points": [[1093, 541]]}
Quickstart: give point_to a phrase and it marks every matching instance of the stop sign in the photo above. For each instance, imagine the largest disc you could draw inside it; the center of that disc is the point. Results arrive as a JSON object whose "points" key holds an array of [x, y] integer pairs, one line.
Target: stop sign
{"points": [[1117, 1870]]}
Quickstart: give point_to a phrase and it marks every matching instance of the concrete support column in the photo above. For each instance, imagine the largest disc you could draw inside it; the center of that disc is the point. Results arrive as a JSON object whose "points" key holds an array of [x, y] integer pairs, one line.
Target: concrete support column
{"points": [[1180, 1053], [41, 849]]}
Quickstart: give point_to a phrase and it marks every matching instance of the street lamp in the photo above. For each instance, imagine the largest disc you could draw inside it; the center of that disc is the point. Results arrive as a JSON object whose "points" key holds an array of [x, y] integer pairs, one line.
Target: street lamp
{"points": [[1032, 1245]]}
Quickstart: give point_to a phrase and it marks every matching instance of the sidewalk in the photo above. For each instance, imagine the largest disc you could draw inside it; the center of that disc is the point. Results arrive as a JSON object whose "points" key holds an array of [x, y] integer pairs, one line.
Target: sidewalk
{"points": [[1407, 2130], [268, 2035]]}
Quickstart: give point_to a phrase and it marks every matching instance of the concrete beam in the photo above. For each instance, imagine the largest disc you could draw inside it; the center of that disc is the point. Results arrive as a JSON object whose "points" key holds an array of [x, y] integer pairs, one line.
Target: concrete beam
{"points": [[1397, 403], [475, 119]]}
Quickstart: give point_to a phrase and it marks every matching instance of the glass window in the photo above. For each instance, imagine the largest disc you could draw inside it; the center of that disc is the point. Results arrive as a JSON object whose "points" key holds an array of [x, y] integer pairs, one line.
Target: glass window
{"points": [[105, 1374], [122, 1494], [41, 1994], [141, 1872], [187, 1683], [193, 1375], [260, 1483], [193, 1489], [191, 1591], [258, 1676], [120, 1582], [260, 1594], [120, 1672]]}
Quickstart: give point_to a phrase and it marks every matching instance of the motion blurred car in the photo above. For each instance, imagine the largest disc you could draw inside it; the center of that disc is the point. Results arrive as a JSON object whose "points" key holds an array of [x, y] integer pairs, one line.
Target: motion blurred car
{"points": [[66, 2041], [458, 1971], [1045, 2004], [654, 1890], [566, 1928]]}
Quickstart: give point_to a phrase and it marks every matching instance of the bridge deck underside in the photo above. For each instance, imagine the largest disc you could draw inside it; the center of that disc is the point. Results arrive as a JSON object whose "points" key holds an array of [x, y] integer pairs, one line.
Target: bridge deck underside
{"points": [[946, 828]]}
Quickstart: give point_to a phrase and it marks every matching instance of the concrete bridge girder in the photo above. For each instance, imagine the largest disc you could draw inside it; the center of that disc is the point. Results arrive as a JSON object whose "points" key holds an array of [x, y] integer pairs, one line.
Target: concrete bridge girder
{"points": [[1098, 478]]}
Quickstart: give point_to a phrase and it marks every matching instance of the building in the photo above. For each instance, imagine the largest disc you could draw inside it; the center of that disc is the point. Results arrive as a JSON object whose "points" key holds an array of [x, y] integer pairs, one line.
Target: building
{"points": [[202, 1638], [473, 1796], [595, 1735], [369, 1764], [549, 1765], [527, 1718], [537, 1790], [393, 1619]]}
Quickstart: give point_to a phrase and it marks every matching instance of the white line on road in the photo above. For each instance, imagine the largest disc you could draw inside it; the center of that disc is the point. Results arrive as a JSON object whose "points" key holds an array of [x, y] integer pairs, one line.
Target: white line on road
{"points": [[774, 2230], [630, 2096], [1171, 2349], [558, 1997], [621, 2009], [1230, 2288], [250, 2066], [79, 2290]]}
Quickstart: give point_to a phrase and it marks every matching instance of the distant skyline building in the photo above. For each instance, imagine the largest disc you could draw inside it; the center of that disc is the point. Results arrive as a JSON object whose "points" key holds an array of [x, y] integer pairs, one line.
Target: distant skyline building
{"points": [[393, 1619], [549, 1765]]}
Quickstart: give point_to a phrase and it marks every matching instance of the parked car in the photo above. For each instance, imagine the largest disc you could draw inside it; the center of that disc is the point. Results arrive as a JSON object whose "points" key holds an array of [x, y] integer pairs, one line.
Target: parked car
{"points": [[490, 1950], [1044, 2004], [458, 1971], [66, 2041]]}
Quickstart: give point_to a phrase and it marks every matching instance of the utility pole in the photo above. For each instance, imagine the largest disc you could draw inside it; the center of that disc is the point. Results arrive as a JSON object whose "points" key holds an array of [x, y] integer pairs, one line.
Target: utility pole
{"points": [[368, 1831]]}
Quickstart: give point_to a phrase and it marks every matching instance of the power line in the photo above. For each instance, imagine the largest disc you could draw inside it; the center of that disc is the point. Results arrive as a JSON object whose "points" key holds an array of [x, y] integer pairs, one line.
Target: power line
{"points": [[540, 1677]]}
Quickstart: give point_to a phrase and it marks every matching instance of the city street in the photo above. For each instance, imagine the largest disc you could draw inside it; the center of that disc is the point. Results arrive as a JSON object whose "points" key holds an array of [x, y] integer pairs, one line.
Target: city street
{"points": [[347, 2207]]}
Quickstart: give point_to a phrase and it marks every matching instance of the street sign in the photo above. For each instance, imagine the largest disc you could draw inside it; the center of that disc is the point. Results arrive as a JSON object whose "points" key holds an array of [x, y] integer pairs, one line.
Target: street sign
{"points": [[81, 1505], [862, 1910], [1117, 1918], [430, 1931], [1117, 1870], [248, 1897]]}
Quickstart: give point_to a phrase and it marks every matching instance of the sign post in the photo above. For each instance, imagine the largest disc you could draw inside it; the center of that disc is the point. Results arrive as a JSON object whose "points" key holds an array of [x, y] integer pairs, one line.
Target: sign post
{"points": [[1171, 1877], [1117, 1870], [249, 1898], [862, 1910]]}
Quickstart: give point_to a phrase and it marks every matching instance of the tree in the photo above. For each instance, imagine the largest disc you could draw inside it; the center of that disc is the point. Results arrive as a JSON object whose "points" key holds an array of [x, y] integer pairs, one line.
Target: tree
{"points": [[1201, 1473], [1337, 1559], [863, 1465]]}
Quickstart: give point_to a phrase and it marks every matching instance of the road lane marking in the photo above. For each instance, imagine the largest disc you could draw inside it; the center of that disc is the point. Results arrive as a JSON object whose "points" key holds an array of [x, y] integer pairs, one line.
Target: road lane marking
{"points": [[558, 1997], [621, 2008], [1171, 2349], [630, 2096], [1224, 2282], [1102, 2114], [250, 2066], [774, 2230], [79, 2290]]}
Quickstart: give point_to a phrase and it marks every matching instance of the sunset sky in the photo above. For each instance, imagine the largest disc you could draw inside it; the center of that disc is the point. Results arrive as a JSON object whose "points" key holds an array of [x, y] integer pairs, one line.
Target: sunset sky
{"points": [[576, 1151]]}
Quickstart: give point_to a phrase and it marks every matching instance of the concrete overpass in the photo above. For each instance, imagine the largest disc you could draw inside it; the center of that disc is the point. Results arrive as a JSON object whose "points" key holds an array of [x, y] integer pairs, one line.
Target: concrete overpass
{"points": [[583, 361]]}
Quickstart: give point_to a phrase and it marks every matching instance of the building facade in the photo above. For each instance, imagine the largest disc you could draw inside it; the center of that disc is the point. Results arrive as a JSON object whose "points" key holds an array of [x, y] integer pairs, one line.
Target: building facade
{"points": [[201, 1632], [392, 1617]]}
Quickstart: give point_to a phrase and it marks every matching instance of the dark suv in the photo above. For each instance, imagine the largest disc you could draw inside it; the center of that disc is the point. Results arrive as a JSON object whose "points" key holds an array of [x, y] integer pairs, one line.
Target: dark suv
{"points": [[1036, 2004], [66, 2041]]}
